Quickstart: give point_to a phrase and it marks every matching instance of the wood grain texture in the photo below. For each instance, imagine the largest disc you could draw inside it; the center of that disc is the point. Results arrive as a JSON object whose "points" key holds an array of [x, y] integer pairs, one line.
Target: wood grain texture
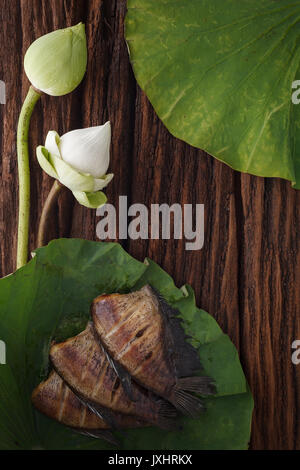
{"points": [[248, 273]]}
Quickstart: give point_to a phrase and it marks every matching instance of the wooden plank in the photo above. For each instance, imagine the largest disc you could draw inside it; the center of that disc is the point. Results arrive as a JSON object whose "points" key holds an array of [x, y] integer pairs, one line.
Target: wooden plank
{"points": [[248, 273]]}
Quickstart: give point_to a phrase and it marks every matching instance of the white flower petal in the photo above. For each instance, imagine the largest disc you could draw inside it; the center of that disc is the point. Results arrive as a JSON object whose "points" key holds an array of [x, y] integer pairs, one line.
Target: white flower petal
{"points": [[52, 143], [100, 183], [90, 200], [70, 177], [87, 150], [44, 159]]}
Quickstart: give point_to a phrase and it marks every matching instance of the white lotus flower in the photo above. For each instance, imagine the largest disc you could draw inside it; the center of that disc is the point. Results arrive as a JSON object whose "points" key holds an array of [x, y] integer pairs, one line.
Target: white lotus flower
{"points": [[79, 160]]}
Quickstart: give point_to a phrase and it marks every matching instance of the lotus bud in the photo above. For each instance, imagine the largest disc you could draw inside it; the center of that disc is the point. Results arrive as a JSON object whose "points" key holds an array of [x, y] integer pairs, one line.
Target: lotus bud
{"points": [[79, 160], [56, 63]]}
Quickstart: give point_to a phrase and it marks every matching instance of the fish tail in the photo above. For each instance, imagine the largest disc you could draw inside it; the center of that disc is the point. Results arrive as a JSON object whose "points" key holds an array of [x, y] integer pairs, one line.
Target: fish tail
{"points": [[188, 404]]}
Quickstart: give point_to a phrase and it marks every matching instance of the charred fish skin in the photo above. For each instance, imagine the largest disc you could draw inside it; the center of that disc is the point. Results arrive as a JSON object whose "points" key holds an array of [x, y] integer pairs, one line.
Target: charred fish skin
{"points": [[56, 400], [132, 330], [144, 334], [84, 366]]}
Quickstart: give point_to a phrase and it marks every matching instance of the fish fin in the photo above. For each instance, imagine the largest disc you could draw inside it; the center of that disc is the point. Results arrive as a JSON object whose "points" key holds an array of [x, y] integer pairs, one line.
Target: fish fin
{"points": [[200, 385], [124, 376], [122, 373], [103, 413], [166, 416], [98, 434], [182, 355], [188, 404]]}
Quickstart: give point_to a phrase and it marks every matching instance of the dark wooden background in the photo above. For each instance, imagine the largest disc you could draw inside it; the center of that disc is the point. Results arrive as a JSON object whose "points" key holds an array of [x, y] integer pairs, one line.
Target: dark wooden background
{"points": [[248, 273]]}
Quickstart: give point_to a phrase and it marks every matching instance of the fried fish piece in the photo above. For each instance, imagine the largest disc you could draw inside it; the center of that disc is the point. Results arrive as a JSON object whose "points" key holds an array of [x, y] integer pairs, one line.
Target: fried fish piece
{"points": [[143, 334], [57, 401], [84, 366]]}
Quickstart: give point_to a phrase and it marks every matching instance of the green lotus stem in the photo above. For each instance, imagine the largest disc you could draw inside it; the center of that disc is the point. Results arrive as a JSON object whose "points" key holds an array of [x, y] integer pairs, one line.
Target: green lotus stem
{"points": [[24, 175], [46, 213]]}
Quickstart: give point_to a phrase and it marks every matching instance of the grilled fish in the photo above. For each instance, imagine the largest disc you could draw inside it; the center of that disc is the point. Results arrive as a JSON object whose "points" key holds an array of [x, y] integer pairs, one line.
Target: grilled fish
{"points": [[143, 334], [84, 366], [56, 400]]}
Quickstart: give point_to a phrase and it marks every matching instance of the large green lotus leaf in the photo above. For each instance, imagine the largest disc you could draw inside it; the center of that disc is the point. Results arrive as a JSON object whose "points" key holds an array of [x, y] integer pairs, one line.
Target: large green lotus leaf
{"points": [[219, 75], [49, 298]]}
